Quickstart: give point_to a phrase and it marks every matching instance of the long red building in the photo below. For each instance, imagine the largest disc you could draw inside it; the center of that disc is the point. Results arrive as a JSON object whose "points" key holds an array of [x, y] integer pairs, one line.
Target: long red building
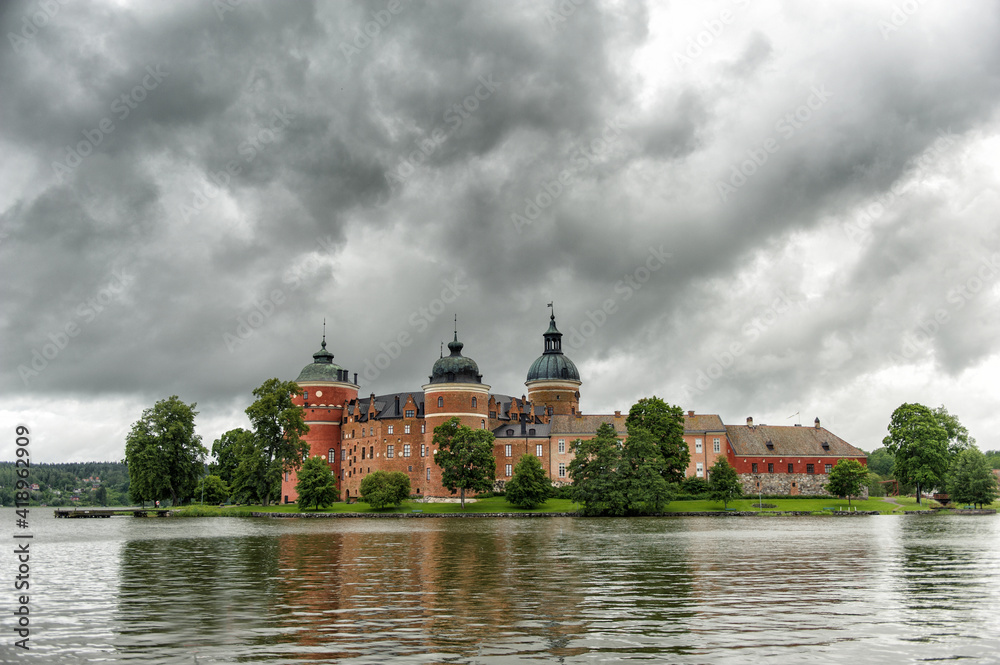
{"points": [[393, 432]]}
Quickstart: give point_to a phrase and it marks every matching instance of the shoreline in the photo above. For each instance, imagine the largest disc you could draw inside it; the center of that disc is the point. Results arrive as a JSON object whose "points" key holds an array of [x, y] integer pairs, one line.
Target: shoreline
{"points": [[754, 513]]}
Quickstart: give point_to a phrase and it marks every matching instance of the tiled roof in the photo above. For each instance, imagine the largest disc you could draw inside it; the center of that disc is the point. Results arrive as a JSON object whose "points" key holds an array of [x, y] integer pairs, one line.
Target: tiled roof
{"points": [[542, 431], [573, 424], [806, 441], [703, 422]]}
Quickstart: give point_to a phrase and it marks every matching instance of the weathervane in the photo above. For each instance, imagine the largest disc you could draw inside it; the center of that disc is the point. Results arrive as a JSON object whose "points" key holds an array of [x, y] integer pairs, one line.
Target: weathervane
{"points": [[553, 313]]}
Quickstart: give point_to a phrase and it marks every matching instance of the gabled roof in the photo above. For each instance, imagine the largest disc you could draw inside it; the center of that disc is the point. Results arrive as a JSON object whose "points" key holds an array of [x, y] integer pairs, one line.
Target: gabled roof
{"points": [[573, 424], [703, 422], [542, 430], [806, 441]]}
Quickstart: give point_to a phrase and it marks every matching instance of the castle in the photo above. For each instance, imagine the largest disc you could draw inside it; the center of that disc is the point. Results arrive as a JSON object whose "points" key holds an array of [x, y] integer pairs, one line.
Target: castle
{"points": [[394, 432]]}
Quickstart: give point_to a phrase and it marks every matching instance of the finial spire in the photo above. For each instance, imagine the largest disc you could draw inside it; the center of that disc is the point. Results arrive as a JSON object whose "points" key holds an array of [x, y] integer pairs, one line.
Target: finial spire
{"points": [[324, 333], [456, 326], [552, 315], [442, 349]]}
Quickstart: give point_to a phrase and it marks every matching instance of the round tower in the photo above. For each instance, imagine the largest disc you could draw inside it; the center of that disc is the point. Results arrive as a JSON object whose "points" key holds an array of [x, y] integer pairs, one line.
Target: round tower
{"points": [[326, 388], [456, 389], [553, 380]]}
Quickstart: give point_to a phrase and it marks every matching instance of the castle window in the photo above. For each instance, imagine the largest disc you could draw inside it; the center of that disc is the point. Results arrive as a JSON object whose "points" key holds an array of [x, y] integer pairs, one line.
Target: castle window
{"points": [[791, 467], [506, 451], [753, 468], [829, 468], [697, 445], [371, 452], [409, 468], [390, 451], [538, 450], [305, 394], [406, 450], [507, 469], [390, 429], [510, 432], [286, 476], [409, 413], [770, 467], [562, 469], [331, 456], [562, 445], [493, 414], [423, 450], [406, 429], [810, 468], [482, 424], [531, 432], [362, 453], [716, 445], [473, 402], [423, 428], [343, 454], [440, 402], [428, 474], [700, 469]]}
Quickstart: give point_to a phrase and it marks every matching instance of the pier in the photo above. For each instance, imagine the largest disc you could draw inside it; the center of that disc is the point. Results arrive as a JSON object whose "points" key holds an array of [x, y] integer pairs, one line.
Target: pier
{"points": [[135, 511]]}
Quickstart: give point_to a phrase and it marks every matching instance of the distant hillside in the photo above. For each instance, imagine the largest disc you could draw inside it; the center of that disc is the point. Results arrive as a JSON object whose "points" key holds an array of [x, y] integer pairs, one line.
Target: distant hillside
{"points": [[68, 483]]}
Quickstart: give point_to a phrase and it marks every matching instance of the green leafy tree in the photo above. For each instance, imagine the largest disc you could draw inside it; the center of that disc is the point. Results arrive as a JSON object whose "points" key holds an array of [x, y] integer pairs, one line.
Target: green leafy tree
{"points": [[971, 480], [665, 422], [465, 456], [163, 454], [993, 458], [382, 489], [530, 487], [958, 435], [641, 473], [242, 463], [316, 484], [881, 461], [278, 426], [695, 486], [101, 496], [724, 483], [919, 445], [212, 489], [846, 479], [593, 471], [228, 450]]}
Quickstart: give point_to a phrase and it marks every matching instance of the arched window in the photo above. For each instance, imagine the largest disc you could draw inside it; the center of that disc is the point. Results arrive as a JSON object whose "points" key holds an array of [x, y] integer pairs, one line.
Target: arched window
{"points": [[331, 456], [473, 402], [440, 402], [482, 423]]}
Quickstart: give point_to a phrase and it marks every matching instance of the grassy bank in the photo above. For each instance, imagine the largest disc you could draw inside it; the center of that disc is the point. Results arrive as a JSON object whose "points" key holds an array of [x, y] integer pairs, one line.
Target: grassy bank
{"points": [[499, 505]]}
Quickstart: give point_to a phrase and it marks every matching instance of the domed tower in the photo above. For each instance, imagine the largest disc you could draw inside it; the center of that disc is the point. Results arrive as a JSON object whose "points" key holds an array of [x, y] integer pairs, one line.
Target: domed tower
{"points": [[553, 379], [456, 389], [325, 386]]}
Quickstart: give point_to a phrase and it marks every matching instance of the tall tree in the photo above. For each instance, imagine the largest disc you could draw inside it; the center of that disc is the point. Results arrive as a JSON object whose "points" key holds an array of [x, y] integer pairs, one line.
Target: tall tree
{"points": [[530, 487], [465, 456], [228, 450], [665, 422], [723, 482], [641, 473], [211, 489], [919, 445], [382, 489], [163, 454], [316, 484], [971, 480], [958, 435], [846, 479], [593, 470], [278, 426], [880, 461]]}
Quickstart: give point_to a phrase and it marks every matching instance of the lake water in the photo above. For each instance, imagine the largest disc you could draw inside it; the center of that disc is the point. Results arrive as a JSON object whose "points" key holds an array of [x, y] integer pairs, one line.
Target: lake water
{"points": [[879, 589]]}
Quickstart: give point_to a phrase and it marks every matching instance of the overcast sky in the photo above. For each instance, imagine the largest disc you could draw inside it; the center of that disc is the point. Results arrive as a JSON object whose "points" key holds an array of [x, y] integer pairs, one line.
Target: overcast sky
{"points": [[745, 208]]}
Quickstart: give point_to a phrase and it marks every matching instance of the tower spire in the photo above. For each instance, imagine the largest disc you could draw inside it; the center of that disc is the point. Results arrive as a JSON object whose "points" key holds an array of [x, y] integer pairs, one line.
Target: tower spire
{"points": [[324, 333], [456, 326]]}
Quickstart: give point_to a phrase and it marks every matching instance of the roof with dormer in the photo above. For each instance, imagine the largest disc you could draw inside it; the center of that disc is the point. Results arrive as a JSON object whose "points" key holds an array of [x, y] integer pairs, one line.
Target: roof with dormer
{"points": [[752, 440]]}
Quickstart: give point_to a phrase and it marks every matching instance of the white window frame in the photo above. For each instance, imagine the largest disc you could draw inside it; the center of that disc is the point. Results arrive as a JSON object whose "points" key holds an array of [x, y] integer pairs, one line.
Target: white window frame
{"points": [[716, 445], [697, 445], [538, 450], [390, 451], [506, 451], [562, 445], [562, 469], [699, 469]]}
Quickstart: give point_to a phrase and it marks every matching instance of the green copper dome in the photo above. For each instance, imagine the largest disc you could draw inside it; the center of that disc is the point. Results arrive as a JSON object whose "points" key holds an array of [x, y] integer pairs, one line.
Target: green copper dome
{"points": [[455, 368], [322, 368], [552, 364]]}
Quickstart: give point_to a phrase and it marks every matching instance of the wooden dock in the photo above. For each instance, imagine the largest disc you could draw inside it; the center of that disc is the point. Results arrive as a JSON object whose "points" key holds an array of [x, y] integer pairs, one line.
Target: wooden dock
{"points": [[135, 511]]}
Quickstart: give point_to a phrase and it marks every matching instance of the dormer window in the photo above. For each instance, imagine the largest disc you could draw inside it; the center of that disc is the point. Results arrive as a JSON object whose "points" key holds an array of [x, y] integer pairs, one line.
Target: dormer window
{"points": [[510, 432]]}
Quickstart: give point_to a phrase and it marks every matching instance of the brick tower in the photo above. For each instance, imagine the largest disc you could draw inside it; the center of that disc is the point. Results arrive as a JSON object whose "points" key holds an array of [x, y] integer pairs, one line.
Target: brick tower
{"points": [[553, 380]]}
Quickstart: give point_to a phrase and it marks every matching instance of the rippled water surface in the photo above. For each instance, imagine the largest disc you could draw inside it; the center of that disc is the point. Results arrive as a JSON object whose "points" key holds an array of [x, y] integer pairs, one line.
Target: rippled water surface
{"points": [[687, 590]]}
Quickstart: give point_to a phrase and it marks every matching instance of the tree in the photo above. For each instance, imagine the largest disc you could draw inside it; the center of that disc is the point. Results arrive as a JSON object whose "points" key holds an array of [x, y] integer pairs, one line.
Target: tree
{"points": [[382, 489], [846, 479], [958, 436], [228, 450], [465, 456], [101, 496], [971, 480], [530, 487], [642, 473], [993, 458], [724, 483], [880, 461], [163, 454], [666, 423], [919, 445], [212, 489], [278, 426], [242, 464], [593, 471], [316, 484]]}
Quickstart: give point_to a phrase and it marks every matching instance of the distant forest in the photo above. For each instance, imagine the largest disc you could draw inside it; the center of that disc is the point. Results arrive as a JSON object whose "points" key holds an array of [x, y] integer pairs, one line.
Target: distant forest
{"points": [[70, 483]]}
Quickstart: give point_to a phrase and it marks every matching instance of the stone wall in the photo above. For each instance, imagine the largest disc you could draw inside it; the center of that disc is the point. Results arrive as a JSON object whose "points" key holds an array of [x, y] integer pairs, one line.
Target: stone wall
{"points": [[788, 483]]}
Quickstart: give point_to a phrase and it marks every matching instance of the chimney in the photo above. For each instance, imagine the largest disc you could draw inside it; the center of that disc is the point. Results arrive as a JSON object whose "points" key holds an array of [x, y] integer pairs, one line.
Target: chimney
{"points": [[618, 414], [355, 378], [817, 422], [690, 414], [397, 405], [750, 422]]}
